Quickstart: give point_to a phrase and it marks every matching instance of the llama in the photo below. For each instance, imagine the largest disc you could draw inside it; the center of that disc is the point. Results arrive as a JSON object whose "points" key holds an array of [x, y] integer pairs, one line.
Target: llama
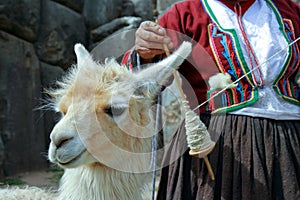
{"points": [[105, 107]]}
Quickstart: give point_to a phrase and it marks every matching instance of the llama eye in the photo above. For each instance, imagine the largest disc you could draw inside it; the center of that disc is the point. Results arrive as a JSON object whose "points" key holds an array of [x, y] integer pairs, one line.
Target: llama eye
{"points": [[114, 111]]}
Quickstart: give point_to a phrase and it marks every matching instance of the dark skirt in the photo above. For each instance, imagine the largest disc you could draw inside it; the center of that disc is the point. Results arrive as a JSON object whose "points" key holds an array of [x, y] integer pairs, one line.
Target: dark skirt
{"points": [[254, 158]]}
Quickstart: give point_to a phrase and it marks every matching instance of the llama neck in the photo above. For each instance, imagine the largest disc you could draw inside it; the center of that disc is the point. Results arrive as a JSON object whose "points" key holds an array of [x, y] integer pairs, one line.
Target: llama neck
{"points": [[97, 182]]}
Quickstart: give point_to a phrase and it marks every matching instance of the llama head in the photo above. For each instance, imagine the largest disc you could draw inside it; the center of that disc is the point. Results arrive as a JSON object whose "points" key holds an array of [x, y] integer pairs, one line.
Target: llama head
{"points": [[105, 110]]}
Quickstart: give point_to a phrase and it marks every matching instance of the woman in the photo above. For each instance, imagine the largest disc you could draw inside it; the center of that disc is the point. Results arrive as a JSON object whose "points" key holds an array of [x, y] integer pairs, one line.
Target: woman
{"points": [[256, 123]]}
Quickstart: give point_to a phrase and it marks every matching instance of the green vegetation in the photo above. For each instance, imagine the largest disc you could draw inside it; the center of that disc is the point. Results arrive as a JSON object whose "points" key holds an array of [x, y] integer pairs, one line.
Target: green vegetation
{"points": [[13, 181]]}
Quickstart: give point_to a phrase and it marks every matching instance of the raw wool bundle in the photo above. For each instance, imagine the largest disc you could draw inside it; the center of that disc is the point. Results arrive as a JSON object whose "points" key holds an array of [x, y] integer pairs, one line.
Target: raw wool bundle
{"points": [[198, 137], [220, 81]]}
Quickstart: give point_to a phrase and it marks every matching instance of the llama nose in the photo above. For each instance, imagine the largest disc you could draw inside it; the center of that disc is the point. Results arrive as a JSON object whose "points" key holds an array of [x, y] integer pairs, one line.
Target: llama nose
{"points": [[62, 141], [61, 134]]}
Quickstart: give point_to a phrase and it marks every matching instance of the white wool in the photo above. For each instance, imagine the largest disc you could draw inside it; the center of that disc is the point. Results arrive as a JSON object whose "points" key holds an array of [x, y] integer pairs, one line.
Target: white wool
{"points": [[221, 81], [100, 182], [90, 179], [26, 193], [197, 135]]}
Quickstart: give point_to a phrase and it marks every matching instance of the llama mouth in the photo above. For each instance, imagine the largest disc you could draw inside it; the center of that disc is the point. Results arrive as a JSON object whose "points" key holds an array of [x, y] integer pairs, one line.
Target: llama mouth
{"points": [[72, 161]]}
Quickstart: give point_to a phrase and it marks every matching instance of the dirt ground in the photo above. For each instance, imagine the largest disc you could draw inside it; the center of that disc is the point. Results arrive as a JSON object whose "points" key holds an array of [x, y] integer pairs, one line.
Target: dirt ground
{"points": [[48, 178], [41, 179]]}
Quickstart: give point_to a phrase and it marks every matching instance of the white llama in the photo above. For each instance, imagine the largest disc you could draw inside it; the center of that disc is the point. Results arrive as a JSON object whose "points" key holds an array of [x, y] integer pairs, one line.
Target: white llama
{"points": [[105, 120]]}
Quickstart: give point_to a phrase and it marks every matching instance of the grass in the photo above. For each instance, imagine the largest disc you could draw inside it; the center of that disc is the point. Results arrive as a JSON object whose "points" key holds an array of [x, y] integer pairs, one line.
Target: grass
{"points": [[54, 172], [13, 181]]}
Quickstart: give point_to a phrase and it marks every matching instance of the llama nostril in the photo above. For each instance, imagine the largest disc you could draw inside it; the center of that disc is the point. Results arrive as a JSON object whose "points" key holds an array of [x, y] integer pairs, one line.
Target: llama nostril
{"points": [[62, 142]]}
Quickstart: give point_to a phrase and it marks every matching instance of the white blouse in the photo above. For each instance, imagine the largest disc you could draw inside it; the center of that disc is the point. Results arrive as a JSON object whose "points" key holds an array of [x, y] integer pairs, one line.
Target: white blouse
{"points": [[262, 29]]}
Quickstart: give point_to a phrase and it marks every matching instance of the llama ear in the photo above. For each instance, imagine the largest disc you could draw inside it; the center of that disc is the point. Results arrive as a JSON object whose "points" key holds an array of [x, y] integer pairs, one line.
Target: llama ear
{"points": [[157, 75], [162, 71], [82, 54]]}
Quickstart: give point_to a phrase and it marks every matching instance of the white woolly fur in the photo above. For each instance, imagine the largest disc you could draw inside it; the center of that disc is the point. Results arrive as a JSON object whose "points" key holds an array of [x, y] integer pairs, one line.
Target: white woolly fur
{"points": [[85, 177]]}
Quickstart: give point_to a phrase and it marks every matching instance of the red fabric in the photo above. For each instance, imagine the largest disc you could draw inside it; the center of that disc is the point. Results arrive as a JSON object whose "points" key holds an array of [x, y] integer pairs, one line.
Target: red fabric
{"points": [[126, 59], [244, 4], [189, 21]]}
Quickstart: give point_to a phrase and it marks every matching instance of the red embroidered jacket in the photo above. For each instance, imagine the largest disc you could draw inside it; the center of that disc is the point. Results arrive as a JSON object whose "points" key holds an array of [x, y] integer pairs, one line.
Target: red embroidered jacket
{"points": [[192, 20]]}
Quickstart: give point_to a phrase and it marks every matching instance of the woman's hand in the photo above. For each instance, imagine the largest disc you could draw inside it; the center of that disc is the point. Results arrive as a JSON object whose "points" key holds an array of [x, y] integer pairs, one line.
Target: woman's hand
{"points": [[149, 40]]}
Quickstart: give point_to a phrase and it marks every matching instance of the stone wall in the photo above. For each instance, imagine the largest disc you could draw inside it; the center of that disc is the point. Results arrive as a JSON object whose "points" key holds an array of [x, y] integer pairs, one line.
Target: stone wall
{"points": [[36, 45]]}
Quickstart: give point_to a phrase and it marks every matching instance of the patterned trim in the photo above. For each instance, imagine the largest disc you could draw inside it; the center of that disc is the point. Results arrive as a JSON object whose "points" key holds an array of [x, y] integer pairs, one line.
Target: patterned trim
{"points": [[284, 85], [246, 93], [226, 52], [218, 105], [235, 41]]}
